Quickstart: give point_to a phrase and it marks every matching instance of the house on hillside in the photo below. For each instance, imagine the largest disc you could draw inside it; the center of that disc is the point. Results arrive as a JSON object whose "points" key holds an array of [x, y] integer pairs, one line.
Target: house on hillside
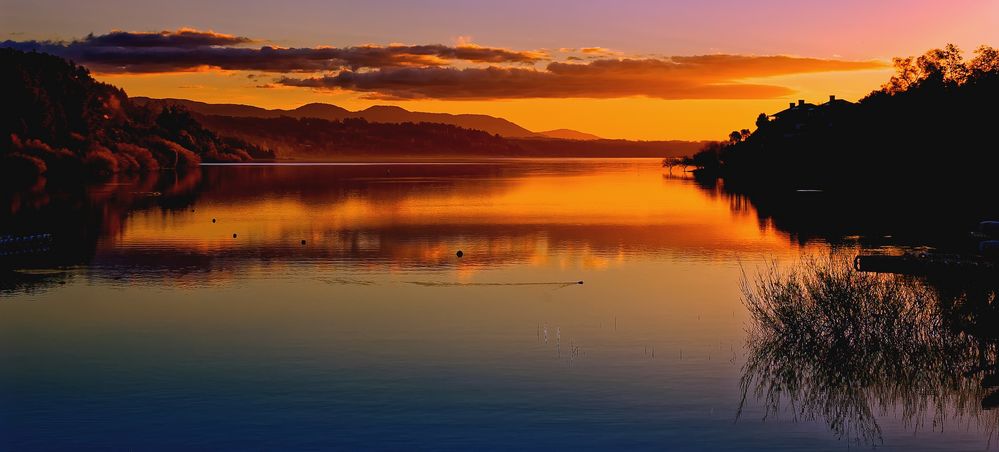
{"points": [[798, 118]]}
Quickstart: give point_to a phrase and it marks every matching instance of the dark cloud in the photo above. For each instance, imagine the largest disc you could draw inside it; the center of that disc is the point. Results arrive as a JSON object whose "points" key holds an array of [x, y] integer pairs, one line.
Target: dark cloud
{"points": [[692, 77], [173, 59], [429, 72], [182, 38], [187, 50]]}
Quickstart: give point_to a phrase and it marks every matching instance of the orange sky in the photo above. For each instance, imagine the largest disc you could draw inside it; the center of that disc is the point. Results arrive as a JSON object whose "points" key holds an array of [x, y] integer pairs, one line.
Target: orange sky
{"points": [[641, 70], [636, 117]]}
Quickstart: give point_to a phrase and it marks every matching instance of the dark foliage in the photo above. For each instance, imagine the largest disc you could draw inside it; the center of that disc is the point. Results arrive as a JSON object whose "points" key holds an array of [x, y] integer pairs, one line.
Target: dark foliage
{"points": [[353, 137], [535, 147], [356, 138], [57, 120], [930, 129]]}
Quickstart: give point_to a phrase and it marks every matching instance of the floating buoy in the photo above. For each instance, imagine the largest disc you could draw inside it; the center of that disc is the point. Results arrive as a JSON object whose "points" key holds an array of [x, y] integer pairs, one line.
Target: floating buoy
{"points": [[213, 220], [459, 253], [303, 242], [233, 235]]}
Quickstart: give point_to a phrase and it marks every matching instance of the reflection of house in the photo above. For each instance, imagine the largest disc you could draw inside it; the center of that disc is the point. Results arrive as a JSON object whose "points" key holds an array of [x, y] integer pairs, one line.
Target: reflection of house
{"points": [[802, 116]]}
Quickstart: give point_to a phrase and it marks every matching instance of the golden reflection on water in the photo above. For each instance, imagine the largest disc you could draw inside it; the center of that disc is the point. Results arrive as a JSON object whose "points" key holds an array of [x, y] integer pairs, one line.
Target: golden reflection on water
{"points": [[592, 218]]}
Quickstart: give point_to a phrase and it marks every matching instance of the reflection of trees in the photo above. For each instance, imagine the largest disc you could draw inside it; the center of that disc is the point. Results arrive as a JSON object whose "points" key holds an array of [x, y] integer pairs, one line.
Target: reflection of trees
{"points": [[845, 347], [76, 216]]}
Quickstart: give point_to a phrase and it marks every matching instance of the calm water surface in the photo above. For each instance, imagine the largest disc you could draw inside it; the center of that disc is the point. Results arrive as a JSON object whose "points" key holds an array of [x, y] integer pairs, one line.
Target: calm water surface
{"points": [[149, 326]]}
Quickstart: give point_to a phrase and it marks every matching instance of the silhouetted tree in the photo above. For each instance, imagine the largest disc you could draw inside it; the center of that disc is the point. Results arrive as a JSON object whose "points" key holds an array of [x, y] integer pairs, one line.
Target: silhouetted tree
{"points": [[935, 106], [985, 63], [762, 120]]}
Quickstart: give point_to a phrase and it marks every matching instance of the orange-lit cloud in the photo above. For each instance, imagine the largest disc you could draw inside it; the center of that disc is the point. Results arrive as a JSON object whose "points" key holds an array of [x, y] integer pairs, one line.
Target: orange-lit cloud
{"points": [[192, 50], [684, 77]]}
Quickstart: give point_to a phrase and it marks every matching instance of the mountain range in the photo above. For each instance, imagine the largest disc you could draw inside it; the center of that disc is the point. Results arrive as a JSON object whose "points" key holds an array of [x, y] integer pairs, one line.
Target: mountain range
{"points": [[377, 113], [59, 122]]}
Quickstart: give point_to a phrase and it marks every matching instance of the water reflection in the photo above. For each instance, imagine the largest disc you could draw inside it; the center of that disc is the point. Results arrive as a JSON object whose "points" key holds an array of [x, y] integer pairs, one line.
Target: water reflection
{"points": [[846, 348], [373, 331], [220, 221], [871, 219], [74, 219]]}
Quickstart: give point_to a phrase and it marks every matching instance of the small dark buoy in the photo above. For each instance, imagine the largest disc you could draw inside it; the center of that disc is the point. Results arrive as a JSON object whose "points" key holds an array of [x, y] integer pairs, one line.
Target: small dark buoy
{"points": [[303, 242], [233, 235], [459, 253], [213, 220]]}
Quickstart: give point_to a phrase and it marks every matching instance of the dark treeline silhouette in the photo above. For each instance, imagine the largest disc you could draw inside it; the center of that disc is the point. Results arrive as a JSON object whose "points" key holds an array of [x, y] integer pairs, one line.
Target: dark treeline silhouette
{"points": [[930, 128], [535, 147], [353, 137], [356, 138], [57, 120]]}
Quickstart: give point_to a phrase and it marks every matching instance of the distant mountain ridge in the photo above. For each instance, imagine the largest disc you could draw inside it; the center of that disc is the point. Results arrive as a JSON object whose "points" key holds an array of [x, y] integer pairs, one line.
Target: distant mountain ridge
{"points": [[377, 113], [568, 134]]}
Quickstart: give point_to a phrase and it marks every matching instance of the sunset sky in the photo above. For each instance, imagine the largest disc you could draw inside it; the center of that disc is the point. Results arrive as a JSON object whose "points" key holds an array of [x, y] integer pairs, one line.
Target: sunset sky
{"points": [[639, 70]]}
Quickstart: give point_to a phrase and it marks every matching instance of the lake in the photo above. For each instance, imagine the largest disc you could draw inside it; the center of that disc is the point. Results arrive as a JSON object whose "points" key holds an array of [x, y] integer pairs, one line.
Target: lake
{"points": [[596, 305]]}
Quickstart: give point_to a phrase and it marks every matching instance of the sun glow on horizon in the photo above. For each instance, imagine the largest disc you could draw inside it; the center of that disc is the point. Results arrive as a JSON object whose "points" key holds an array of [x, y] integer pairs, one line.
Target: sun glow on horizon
{"points": [[635, 118]]}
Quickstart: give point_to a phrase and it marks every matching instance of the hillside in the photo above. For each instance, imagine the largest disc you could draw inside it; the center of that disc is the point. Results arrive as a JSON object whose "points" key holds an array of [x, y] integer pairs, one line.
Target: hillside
{"points": [[323, 132], [377, 113], [928, 130], [57, 120], [358, 139]]}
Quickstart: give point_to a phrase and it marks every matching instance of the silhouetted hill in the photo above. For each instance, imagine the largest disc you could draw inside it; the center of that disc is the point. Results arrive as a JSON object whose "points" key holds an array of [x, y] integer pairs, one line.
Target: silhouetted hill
{"points": [[56, 119], [358, 139], [318, 110], [301, 141], [568, 134], [377, 113], [930, 130]]}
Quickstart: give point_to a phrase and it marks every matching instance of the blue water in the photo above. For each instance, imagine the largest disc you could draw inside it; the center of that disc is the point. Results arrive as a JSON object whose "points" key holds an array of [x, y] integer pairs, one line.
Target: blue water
{"points": [[150, 328]]}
